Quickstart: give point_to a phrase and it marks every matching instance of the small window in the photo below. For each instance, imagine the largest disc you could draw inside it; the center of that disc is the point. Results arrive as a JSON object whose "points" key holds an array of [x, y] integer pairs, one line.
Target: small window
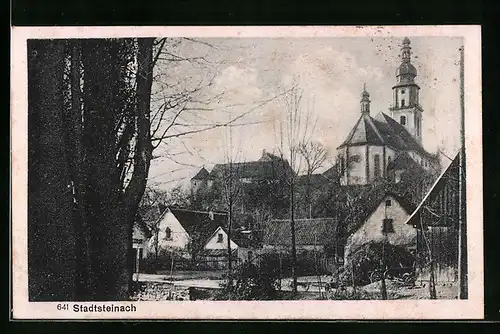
{"points": [[388, 202], [168, 233], [220, 237], [389, 160], [402, 102], [402, 91], [402, 119], [387, 226]]}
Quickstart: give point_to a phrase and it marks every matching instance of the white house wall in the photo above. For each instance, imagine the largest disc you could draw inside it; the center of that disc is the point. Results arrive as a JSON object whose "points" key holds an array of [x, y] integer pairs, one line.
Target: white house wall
{"points": [[179, 237], [371, 230], [213, 244]]}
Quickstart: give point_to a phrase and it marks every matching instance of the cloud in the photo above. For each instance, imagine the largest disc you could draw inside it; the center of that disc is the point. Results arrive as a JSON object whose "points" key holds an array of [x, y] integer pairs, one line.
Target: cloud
{"points": [[238, 84], [333, 79]]}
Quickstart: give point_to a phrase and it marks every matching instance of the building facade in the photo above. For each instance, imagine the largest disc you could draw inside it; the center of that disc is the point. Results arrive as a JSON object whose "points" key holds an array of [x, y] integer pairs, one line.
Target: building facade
{"points": [[375, 143]]}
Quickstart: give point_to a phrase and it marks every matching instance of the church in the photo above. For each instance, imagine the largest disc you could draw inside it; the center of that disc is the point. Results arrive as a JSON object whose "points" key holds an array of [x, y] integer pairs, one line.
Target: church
{"points": [[388, 146]]}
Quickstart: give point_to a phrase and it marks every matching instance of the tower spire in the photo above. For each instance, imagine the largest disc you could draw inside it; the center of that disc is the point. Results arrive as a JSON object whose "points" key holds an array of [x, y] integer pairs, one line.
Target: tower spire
{"points": [[406, 50], [365, 100]]}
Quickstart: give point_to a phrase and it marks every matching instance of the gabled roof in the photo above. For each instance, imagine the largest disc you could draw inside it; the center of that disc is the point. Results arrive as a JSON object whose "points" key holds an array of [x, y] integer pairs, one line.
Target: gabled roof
{"points": [[403, 161], [239, 238], [383, 130], [141, 230], [369, 203], [263, 170], [319, 231], [201, 175], [450, 174], [363, 132], [197, 221]]}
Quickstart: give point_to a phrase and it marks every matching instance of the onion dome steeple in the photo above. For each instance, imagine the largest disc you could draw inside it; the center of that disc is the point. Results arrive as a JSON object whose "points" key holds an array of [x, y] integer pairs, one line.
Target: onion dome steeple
{"points": [[406, 72]]}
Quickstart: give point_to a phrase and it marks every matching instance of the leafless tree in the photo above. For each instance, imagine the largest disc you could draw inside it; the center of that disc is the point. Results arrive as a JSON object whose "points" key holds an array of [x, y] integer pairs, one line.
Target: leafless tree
{"points": [[296, 127], [314, 155]]}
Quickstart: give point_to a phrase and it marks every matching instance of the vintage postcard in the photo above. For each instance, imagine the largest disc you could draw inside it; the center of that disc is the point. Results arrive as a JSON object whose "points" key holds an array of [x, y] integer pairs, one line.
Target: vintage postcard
{"points": [[247, 173]]}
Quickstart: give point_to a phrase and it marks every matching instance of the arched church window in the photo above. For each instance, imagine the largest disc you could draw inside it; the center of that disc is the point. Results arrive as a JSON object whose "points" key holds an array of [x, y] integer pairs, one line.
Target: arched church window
{"points": [[376, 166], [402, 119]]}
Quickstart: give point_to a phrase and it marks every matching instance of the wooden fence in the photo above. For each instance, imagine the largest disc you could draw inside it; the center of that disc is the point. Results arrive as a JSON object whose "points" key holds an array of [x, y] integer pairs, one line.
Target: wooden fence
{"points": [[443, 245]]}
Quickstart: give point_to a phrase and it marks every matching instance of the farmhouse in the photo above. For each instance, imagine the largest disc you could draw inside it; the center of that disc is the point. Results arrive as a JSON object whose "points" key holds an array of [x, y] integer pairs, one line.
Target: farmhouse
{"points": [[383, 221], [214, 253], [310, 234], [177, 227]]}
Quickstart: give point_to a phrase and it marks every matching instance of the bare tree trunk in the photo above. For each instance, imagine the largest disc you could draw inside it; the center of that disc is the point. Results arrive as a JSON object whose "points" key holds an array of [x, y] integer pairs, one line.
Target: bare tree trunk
{"points": [[108, 231], [51, 250], [383, 287], [229, 259], [292, 230], [78, 166], [144, 148]]}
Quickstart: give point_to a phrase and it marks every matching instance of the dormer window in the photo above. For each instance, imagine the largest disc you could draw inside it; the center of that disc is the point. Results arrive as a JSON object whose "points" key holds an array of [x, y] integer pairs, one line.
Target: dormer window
{"points": [[402, 119], [220, 238]]}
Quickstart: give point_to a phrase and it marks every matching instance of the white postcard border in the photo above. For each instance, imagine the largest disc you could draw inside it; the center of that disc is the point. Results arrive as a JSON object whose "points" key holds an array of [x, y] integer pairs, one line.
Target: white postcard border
{"points": [[330, 310]]}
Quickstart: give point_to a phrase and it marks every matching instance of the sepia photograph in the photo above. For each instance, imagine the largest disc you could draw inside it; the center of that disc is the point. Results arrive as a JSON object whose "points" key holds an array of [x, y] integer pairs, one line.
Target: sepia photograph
{"points": [[298, 168]]}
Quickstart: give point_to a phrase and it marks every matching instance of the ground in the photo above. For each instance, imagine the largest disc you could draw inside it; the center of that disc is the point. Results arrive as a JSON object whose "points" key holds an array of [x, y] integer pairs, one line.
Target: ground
{"points": [[203, 284]]}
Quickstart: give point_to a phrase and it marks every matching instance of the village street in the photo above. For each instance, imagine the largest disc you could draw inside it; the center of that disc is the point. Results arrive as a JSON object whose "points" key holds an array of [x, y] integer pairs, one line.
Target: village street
{"points": [[308, 286], [214, 280]]}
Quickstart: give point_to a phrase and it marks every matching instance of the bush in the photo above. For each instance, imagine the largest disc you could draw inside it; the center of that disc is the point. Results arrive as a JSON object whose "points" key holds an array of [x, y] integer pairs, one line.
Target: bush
{"points": [[366, 260], [251, 282]]}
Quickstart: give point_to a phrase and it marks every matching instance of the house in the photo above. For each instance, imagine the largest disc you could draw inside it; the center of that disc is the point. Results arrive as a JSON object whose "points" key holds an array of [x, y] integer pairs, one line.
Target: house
{"points": [[177, 227], [200, 235], [140, 237], [436, 220], [214, 253], [268, 168], [374, 142], [310, 234], [315, 241], [384, 220]]}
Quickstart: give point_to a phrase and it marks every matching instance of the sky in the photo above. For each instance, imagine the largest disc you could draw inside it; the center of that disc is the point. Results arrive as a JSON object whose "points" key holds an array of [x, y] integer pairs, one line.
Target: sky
{"points": [[246, 78]]}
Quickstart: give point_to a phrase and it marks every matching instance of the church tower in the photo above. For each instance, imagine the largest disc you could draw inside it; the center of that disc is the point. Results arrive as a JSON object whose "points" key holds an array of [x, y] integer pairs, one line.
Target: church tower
{"points": [[406, 108]]}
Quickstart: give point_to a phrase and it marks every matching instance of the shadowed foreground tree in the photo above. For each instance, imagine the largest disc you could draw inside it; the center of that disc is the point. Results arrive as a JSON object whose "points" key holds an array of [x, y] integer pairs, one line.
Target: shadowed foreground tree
{"points": [[88, 164], [51, 255]]}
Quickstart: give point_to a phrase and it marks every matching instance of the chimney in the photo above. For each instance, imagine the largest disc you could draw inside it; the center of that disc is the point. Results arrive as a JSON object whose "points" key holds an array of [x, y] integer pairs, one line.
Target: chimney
{"points": [[211, 215], [263, 152]]}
